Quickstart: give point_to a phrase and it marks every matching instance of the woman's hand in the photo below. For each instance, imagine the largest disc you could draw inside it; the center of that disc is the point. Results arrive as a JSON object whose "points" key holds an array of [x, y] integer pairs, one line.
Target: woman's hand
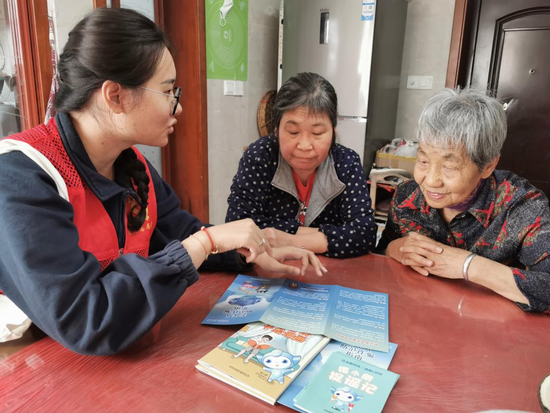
{"points": [[431, 257], [280, 255], [427, 256], [414, 250], [449, 262], [307, 237], [243, 235], [277, 238]]}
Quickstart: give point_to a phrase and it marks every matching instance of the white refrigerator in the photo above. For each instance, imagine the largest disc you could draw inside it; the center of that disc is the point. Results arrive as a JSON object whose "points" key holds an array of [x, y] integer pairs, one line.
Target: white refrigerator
{"points": [[333, 38]]}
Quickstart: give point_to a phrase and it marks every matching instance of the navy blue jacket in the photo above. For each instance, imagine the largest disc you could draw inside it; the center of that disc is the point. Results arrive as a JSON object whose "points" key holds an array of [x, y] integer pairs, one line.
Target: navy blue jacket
{"points": [[263, 189], [60, 287]]}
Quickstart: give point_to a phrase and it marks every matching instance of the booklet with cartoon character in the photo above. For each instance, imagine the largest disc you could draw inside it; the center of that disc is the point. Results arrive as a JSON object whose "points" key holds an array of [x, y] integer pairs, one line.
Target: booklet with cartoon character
{"points": [[346, 384], [376, 358], [261, 359], [352, 316]]}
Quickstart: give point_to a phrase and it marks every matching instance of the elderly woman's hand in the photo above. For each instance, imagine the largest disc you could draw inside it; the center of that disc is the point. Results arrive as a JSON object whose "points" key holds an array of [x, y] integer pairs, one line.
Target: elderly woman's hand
{"points": [[448, 263], [280, 255], [427, 256], [414, 250]]}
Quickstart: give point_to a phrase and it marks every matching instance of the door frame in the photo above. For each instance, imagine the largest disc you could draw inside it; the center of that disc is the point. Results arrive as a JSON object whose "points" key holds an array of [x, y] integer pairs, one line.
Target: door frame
{"points": [[30, 32], [455, 48], [462, 47], [185, 159]]}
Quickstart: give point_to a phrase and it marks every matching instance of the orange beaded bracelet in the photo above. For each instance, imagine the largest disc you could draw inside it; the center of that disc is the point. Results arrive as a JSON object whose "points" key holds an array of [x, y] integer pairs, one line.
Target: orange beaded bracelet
{"points": [[214, 248]]}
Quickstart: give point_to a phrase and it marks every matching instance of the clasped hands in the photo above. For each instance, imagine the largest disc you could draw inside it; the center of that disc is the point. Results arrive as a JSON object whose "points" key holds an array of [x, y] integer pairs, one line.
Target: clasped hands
{"points": [[426, 256]]}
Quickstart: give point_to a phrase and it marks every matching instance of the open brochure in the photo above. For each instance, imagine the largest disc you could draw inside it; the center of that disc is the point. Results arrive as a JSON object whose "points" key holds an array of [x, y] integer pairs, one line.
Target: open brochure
{"points": [[262, 360], [376, 358], [354, 317], [346, 384]]}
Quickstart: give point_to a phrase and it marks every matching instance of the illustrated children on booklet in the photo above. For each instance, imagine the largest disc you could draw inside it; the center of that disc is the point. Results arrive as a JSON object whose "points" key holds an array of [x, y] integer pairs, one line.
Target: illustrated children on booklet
{"points": [[262, 359], [254, 347]]}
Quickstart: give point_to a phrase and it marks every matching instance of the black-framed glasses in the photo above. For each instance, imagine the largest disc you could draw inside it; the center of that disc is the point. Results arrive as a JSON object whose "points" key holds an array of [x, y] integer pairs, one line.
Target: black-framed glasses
{"points": [[175, 93]]}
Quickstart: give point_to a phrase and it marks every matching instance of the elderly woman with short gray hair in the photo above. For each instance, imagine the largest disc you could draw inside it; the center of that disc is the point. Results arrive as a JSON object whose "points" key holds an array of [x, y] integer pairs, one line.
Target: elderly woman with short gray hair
{"points": [[461, 218]]}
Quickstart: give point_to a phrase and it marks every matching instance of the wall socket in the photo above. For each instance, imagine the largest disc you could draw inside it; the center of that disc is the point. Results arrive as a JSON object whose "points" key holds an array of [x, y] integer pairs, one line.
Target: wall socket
{"points": [[420, 82], [233, 88]]}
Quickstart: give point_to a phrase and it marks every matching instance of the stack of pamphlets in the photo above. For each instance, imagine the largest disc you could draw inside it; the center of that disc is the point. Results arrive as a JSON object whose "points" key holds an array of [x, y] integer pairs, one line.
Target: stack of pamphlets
{"points": [[279, 356]]}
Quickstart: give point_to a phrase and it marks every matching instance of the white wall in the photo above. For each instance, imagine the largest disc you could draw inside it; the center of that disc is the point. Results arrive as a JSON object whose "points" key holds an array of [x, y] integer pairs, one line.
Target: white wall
{"points": [[232, 120], [66, 13], [425, 53], [146, 7]]}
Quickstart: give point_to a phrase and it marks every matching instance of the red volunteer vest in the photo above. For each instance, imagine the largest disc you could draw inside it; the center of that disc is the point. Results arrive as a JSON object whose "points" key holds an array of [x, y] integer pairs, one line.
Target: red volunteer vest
{"points": [[96, 231]]}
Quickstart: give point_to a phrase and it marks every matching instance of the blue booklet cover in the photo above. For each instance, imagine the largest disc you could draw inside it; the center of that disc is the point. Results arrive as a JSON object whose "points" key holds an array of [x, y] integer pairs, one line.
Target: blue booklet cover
{"points": [[345, 384], [376, 358], [352, 316], [245, 301]]}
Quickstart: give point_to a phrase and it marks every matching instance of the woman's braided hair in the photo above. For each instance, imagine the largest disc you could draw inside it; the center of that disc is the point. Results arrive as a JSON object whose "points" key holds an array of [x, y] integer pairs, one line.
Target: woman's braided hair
{"points": [[125, 47], [130, 171]]}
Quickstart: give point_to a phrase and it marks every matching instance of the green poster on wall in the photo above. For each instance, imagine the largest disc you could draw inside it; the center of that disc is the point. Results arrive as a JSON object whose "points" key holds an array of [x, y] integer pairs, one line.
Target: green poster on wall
{"points": [[227, 39]]}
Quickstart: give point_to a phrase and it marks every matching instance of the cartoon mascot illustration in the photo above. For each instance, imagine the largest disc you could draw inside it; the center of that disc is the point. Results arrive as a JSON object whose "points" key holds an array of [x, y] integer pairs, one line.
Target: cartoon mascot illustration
{"points": [[279, 363], [344, 399]]}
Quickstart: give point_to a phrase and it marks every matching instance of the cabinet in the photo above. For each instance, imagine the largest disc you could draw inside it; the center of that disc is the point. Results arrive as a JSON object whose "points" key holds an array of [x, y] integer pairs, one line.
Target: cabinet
{"points": [[382, 186]]}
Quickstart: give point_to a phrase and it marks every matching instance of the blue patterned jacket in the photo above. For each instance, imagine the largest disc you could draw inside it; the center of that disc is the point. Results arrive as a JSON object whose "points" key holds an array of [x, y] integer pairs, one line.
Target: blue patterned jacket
{"points": [[263, 189]]}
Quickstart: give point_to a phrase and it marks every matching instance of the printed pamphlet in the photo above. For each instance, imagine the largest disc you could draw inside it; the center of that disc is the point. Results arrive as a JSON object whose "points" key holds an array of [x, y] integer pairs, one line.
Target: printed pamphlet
{"points": [[355, 317]]}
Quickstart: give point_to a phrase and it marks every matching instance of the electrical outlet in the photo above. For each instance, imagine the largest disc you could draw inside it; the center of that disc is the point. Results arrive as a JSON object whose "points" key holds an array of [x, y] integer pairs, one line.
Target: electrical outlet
{"points": [[413, 82], [425, 82], [229, 87], [239, 88]]}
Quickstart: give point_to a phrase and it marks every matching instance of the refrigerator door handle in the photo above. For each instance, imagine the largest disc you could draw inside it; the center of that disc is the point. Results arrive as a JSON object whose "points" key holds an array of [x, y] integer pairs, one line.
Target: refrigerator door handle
{"points": [[360, 119], [323, 30]]}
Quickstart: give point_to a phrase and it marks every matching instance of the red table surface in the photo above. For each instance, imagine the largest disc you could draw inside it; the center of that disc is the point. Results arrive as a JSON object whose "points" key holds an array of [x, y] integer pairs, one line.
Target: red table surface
{"points": [[462, 348]]}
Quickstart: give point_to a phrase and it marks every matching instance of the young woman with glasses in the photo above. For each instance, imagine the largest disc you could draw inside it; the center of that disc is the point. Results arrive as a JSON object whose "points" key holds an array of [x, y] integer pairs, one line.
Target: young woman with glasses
{"points": [[95, 249]]}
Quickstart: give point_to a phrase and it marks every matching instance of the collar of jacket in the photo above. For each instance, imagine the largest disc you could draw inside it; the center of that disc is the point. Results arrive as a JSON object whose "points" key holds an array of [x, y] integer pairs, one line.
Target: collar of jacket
{"points": [[326, 186], [102, 187]]}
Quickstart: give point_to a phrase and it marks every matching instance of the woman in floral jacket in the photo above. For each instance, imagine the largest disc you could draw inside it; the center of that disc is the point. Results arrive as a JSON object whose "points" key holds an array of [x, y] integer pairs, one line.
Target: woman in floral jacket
{"points": [[461, 218], [299, 184]]}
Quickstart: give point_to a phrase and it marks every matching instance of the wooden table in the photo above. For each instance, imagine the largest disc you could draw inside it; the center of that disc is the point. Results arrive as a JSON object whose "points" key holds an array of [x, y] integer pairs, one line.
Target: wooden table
{"points": [[461, 348]]}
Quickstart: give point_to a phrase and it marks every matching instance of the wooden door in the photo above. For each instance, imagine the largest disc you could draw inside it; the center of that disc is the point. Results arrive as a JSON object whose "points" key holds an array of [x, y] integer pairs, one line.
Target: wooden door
{"points": [[505, 46], [185, 166]]}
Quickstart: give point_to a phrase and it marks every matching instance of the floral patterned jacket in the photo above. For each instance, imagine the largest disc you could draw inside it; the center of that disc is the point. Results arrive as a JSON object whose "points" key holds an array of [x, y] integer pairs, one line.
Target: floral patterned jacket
{"points": [[509, 222]]}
